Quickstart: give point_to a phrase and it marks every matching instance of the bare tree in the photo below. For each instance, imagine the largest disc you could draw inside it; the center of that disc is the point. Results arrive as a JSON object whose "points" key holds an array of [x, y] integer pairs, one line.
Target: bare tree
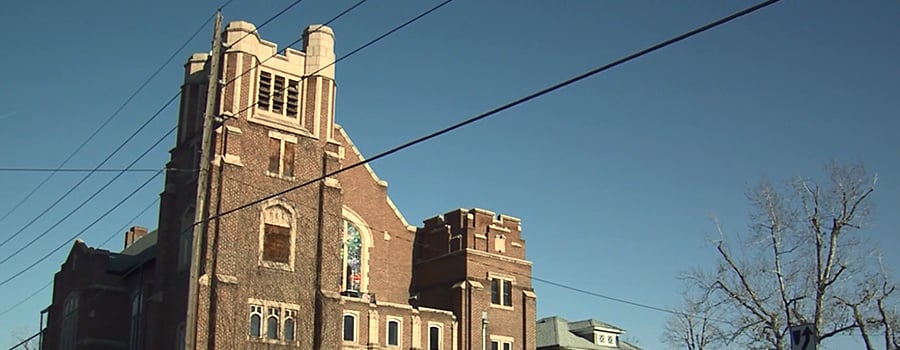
{"points": [[694, 327], [26, 339], [797, 264]]}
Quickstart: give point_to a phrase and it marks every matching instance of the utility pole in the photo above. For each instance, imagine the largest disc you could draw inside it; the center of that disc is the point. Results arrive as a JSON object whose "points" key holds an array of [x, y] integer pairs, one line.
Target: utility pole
{"points": [[200, 211]]}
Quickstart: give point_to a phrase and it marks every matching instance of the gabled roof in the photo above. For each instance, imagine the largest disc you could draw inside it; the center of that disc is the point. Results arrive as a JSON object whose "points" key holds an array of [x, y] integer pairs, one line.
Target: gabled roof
{"points": [[594, 324], [138, 253], [556, 331]]}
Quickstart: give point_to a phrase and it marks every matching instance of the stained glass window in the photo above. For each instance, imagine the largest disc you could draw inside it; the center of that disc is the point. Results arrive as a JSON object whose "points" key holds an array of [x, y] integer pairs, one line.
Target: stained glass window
{"points": [[351, 253]]}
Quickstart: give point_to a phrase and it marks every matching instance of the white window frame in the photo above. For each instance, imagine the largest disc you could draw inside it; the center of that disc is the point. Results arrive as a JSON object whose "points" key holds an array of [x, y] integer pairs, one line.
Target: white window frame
{"points": [[501, 341], [269, 216], [501, 289], [256, 309], [355, 316], [185, 239], [292, 316], [387, 332], [284, 139], [263, 309], [440, 337], [69, 332], [273, 312]]}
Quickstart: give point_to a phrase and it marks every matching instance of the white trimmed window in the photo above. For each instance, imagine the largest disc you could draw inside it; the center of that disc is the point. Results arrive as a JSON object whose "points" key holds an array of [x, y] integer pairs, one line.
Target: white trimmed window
{"points": [[272, 322], [281, 155], [393, 332], [290, 325], [435, 341], [277, 235], [278, 94], [501, 343], [185, 239], [256, 314], [179, 337], [350, 325], [69, 323], [501, 292], [135, 335]]}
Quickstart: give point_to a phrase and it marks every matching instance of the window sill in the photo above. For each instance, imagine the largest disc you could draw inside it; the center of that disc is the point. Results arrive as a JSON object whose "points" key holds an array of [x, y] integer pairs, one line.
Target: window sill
{"points": [[277, 176], [279, 122], [502, 307], [273, 341], [276, 265]]}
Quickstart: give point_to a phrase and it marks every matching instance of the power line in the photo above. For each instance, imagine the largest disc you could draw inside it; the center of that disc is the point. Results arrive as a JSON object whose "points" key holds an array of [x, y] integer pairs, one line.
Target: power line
{"points": [[88, 199], [110, 237], [35, 239], [107, 121], [83, 179], [29, 267], [508, 106], [351, 53], [86, 170]]}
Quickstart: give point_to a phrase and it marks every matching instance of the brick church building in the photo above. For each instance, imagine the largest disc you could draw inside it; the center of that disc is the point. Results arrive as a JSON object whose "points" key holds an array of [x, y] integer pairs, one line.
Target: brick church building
{"points": [[331, 265]]}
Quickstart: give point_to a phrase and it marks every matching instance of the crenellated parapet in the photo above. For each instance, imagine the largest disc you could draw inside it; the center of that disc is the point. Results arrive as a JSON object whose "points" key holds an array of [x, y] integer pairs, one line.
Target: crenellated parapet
{"points": [[473, 229]]}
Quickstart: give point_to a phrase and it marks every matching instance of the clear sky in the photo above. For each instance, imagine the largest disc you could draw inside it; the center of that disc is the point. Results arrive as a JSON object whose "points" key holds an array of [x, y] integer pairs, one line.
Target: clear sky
{"points": [[615, 178]]}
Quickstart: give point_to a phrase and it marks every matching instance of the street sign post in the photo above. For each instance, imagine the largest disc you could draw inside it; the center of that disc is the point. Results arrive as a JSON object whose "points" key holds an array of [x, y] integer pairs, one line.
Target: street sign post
{"points": [[804, 337]]}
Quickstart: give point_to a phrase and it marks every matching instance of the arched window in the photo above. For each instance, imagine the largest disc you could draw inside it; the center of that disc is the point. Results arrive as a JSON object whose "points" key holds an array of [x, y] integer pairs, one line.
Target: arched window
{"points": [[289, 324], [351, 253], [434, 337], [349, 327], [255, 321], [69, 323], [356, 240], [272, 323], [393, 332], [277, 236], [185, 239]]}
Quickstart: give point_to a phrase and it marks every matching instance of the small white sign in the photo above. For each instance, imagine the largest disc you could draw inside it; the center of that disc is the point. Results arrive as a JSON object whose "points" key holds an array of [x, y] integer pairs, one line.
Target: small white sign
{"points": [[804, 337]]}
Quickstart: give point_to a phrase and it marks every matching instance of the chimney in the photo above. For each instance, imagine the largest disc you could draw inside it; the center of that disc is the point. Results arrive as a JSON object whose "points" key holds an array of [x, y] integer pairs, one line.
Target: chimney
{"points": [[134, 234]]}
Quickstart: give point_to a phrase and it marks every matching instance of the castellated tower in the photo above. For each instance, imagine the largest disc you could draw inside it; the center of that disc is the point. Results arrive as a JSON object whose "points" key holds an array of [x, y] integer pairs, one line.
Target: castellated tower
{"points": [[265, 262], [473, 263]]}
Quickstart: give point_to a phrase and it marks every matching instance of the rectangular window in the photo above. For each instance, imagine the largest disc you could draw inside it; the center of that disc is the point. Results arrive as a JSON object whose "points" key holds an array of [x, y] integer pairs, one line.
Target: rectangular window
{"points": [[501, 292], [278, 94], [281, 157], [503, 343], [393, 333], [265, 90], [434, 338], [349, 327], [507, 293], [277, 244]]}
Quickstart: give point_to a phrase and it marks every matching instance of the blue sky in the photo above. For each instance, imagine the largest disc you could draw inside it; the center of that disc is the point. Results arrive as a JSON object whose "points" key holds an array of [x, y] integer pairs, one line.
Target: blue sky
{"points": [[615, 177]]}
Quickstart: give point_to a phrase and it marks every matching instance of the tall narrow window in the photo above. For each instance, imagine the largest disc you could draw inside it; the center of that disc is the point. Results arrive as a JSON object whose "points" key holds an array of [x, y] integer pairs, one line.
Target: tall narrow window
{"points": [[69, 323], [256, 321], [351, 253], [185, 239], [393, 333], [278, 240], [501, 292], [349, 327], [265, 90], [289, 326], [277, 236], [281, 156], [135, 335], [293, 98], [272, 323], [179, 337], [278, 94], [434, 337]]}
